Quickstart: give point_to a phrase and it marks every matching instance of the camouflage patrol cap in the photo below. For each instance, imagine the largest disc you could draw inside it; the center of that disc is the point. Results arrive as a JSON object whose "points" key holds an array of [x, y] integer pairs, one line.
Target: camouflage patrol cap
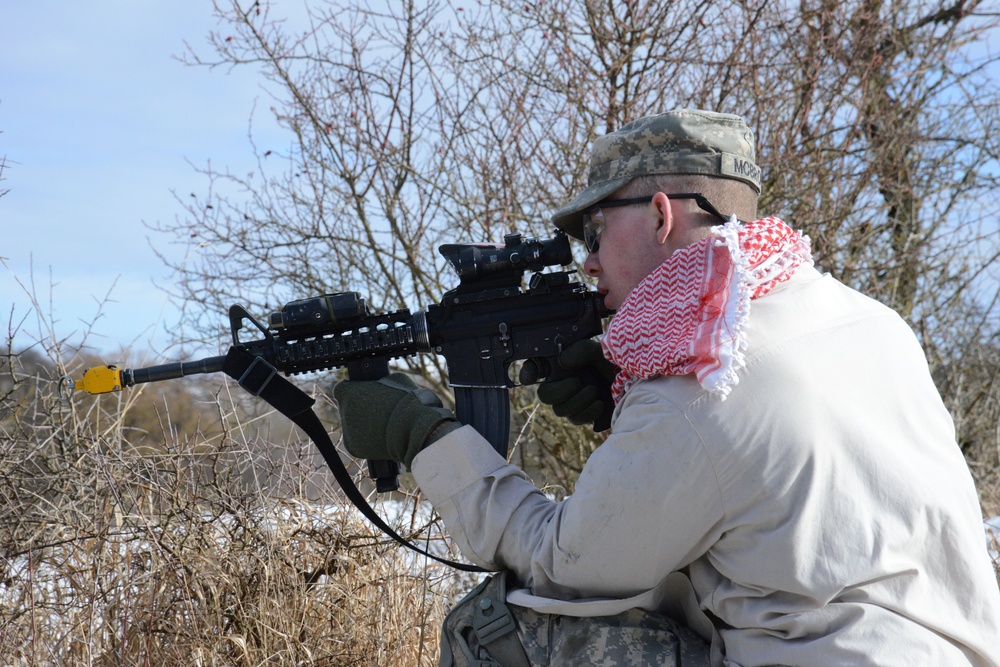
{"points": [[686, 141]]}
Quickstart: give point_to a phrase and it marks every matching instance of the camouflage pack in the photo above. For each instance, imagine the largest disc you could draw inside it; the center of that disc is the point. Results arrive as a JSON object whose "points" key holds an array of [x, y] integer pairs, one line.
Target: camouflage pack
{"points": [[483, 630]]}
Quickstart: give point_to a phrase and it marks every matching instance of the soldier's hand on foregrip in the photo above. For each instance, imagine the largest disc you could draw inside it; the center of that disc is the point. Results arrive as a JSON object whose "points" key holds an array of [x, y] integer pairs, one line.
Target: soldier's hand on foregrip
{"points": [[579, 386], [390, 418]]}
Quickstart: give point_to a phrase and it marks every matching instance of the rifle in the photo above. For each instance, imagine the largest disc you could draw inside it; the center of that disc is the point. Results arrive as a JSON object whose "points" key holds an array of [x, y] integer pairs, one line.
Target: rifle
{"points": [[481, 327]]}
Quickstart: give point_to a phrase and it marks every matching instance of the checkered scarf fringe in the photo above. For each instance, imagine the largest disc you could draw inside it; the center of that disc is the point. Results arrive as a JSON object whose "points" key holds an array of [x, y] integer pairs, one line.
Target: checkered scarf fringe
{"points": [[690, 314]]}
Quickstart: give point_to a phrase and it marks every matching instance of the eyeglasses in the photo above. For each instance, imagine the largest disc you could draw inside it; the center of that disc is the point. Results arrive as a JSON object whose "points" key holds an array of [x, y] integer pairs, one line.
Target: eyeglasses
{"points": [[594, 221]]}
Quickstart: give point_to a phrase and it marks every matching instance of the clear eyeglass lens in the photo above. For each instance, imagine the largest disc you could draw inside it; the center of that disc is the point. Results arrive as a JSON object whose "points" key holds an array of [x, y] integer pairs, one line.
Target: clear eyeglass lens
{"points": [[593, 225]]}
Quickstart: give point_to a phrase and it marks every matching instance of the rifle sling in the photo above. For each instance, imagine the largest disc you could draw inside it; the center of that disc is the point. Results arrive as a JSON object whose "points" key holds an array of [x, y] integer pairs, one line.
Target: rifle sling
{"points": [[261, 379]]}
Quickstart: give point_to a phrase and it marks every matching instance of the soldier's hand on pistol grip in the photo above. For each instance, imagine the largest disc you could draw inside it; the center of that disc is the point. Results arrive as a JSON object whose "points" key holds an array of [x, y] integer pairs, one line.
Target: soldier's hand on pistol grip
{"points": [[390, 418], [579, 387]]}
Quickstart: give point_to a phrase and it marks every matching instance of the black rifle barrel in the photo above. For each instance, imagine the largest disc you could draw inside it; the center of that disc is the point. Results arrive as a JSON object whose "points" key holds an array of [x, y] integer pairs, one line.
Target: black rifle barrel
{"points": [[171, 371]]}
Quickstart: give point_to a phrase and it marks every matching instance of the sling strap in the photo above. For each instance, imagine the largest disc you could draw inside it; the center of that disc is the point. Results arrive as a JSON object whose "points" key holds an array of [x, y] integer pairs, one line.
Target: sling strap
{"points": [[480, 622], [263, 380]]}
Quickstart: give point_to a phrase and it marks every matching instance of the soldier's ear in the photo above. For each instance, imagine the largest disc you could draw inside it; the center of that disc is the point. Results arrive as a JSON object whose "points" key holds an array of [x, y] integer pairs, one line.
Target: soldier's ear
{"points": [[666, 217]]}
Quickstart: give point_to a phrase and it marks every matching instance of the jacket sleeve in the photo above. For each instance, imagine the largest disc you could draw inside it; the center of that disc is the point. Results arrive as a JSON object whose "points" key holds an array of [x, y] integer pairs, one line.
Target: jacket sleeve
{"points": [[646, 504]]}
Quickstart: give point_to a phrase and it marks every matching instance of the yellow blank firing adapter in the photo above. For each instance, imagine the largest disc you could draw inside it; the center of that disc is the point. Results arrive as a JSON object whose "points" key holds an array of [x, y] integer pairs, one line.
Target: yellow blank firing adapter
{"points": [[100, 380], [104, 379]]}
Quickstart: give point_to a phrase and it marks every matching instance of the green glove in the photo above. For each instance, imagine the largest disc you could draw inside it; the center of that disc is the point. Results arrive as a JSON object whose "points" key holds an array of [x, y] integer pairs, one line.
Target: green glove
{"points": [[390, 418], [579, 388]]}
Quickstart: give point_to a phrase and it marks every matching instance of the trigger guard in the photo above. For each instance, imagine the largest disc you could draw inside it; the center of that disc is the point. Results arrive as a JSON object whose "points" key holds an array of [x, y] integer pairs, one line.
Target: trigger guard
{"points": [[543, 370]]}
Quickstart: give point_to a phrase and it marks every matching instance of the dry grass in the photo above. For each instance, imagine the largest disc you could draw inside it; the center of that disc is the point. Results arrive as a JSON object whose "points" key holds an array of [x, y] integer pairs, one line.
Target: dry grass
{"points": [[219, 591], [181, 553]]}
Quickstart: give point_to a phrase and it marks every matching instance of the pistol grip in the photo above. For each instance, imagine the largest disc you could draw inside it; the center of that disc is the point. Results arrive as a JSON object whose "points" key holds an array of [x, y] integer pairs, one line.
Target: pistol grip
{"points": [[588, 376]]}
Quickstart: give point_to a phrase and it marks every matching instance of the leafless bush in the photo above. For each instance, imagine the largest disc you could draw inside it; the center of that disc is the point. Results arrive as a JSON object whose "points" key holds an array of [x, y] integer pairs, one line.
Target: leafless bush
{"points": [[216, 545], [412, 124], [3, 166]]}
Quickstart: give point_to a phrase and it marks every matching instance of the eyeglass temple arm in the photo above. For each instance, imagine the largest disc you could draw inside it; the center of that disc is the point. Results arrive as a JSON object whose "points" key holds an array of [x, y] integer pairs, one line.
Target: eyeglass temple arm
{"points": [[703, 203]]}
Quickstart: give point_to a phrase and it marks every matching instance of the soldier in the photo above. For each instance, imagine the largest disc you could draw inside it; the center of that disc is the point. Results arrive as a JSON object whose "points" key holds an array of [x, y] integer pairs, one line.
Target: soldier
{"points": [[781, 473]]}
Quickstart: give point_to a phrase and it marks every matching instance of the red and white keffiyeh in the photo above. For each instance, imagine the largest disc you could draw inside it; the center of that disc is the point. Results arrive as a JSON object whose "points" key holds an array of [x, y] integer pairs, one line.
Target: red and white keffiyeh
{"points": [[689, 315]]}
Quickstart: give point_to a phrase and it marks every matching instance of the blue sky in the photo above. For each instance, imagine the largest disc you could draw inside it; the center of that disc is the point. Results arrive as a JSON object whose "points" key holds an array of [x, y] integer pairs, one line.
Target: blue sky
{"points": [[100, 125]]}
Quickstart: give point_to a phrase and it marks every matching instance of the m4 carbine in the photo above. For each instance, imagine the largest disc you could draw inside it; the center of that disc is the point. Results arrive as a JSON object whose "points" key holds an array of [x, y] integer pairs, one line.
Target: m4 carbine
{"points": [[480, 327]]}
